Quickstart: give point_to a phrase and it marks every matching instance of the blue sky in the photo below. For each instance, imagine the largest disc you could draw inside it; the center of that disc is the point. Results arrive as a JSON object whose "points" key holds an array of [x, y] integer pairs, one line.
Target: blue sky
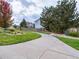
{"points": [[30, 9]]}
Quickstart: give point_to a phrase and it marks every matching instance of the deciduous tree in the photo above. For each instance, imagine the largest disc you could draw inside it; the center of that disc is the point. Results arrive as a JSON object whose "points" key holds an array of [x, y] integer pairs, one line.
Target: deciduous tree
{"points": [[5, 14]]}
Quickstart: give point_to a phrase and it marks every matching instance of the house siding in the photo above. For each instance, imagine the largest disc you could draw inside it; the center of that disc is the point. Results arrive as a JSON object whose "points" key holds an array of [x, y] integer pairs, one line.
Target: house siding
{"points": [[38, 24]]}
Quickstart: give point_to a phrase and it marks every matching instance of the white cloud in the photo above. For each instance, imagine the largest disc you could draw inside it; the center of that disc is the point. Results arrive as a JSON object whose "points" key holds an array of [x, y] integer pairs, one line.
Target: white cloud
{"points": [[33, 9], [17, 7], [30, 8]]}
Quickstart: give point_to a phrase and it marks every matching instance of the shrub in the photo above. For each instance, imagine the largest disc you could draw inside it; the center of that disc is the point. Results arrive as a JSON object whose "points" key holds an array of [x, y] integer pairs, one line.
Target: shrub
{"points": [[11, 29], [1, 30], [74, 34]]}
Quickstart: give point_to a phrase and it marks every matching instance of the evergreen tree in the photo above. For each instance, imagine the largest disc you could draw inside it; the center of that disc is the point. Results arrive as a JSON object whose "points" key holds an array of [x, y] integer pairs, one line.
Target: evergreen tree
{"points": [[60, 18], [23, 23]]}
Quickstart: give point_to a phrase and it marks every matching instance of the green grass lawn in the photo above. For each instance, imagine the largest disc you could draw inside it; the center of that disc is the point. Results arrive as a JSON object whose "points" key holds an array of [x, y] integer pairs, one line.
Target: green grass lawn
{"points": [[71, 42], [14, 39]]}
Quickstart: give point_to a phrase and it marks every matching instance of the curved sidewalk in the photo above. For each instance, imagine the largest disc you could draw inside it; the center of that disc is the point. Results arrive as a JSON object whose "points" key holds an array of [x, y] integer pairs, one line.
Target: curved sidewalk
{"points": [[46, 47]]}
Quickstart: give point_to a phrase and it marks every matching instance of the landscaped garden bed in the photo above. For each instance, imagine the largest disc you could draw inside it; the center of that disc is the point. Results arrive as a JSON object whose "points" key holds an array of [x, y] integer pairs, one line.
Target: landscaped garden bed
{"points": [[6, 39]]}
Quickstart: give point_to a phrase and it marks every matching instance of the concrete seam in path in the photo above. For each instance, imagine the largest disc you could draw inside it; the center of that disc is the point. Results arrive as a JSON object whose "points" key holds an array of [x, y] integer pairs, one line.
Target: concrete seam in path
{"points": [[57, 52]]}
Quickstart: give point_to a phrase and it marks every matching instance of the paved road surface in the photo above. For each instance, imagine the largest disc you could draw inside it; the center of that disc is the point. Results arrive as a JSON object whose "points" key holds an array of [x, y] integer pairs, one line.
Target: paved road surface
{"points": [[46, 47]]}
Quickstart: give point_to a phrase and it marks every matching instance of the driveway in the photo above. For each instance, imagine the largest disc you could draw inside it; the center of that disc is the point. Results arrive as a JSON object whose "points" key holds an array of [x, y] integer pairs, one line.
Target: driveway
{"points": [[46, 47]]}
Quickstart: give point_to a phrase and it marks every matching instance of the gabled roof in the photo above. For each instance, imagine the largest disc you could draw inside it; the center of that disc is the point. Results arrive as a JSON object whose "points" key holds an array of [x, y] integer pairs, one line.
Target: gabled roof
{"points": [[37, 20]]}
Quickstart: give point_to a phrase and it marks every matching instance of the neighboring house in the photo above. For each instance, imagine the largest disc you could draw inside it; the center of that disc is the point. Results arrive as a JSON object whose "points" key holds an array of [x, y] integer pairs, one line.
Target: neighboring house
{"points": [[30, 25], [38, 24]]}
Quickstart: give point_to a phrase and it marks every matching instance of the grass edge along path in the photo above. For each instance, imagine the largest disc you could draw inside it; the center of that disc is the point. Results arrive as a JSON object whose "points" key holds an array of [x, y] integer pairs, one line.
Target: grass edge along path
{"points": [[74, 43]]}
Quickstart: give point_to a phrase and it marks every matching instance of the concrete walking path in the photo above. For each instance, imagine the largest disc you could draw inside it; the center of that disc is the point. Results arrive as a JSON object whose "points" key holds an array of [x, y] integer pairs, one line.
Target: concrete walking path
{"points": [[46, 47]]}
